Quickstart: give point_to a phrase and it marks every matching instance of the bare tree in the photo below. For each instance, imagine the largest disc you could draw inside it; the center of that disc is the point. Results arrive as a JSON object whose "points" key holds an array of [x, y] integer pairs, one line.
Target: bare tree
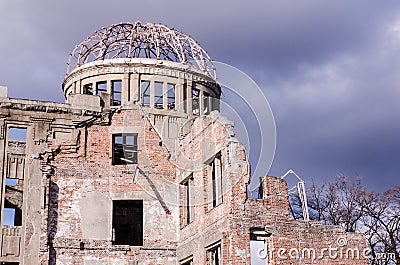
{"points": [[317, 202], [382, 220], [350, 205], [337, 203]]}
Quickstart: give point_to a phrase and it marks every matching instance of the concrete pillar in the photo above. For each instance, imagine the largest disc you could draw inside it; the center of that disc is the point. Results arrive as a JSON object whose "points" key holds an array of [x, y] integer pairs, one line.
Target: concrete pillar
{"points": [[151, 93], [3, 142], [189, 97], [134, 87], [109, 89], [179, 95], [165, 95], [125, 88], [201, 102]]}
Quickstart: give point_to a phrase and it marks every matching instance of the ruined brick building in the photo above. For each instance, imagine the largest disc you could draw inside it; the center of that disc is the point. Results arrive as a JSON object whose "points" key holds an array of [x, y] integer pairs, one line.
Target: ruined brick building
{"points": [[139, 167]]}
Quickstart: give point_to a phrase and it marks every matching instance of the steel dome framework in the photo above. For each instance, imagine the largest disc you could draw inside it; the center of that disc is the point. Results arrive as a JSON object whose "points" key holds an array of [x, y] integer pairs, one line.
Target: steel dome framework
{"points": [[156, 41]]}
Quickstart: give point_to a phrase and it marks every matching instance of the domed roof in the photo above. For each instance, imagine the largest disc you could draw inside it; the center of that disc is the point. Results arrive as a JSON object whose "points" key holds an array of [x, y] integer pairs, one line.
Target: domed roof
{"points": [[156, 41]]}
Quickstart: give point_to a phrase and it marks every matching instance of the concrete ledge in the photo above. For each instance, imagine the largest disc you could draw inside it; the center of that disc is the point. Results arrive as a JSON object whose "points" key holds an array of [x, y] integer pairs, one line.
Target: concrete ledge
{"points": [[86, 102]]}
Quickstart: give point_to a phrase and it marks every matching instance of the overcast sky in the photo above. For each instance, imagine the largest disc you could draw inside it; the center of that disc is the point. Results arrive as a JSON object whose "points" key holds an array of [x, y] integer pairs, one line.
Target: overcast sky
{"points": [[330, 69]]}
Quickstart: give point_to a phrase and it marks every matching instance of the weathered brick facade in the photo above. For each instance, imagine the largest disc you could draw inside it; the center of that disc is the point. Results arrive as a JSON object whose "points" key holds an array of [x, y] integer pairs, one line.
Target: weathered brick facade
{"points": [[188, 178]]}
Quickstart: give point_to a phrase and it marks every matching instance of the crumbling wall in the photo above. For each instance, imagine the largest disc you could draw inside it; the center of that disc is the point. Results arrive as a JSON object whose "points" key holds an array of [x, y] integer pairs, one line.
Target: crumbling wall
{"points": [[290, 241], [70, 183], [232, 223], [26, 242], [85, 183], [206, 137]]}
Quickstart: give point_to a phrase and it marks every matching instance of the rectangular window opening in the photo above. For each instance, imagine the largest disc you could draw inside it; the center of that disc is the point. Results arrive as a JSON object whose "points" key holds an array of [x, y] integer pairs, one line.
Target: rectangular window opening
{"points": [[16, 144], [171, 96], [187, 200], [17, 134], [214, 103], [188, 261], [88, 89], [158, 95], [125, 149], [185, 97], [9, 216], [259, 252], [145, 93], [101, 87], [12, 216], [206, 103], [127, 223], [116, 92], [11, 181], [196, 101], [215, 180], [214, 255]]}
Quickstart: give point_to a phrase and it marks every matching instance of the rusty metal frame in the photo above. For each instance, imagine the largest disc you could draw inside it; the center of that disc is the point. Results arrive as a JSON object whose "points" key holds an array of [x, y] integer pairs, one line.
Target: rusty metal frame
{"points": [[156, 41]]}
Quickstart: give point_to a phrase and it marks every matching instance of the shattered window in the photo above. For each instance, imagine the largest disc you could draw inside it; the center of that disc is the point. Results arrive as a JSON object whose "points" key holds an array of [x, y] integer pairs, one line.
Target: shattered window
{"points": [[124, 149], [196, 101], [101, 87], [88, 89], [214, 255], [171, 96]]}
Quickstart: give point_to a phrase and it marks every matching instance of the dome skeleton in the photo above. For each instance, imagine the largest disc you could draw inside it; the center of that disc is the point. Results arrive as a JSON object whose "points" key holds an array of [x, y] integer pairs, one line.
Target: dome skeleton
{"points": [[154, 41]]}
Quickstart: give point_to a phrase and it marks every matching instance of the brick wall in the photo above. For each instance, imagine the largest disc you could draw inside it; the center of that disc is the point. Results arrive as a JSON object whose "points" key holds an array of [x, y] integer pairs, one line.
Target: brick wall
{"points": [[232, 222], [86, 173], [78, 183]]}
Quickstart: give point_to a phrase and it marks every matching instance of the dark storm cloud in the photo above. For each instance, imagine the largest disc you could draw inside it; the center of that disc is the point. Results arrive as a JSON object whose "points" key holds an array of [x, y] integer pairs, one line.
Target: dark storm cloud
{"points": [[328, 68], [342, 116]]}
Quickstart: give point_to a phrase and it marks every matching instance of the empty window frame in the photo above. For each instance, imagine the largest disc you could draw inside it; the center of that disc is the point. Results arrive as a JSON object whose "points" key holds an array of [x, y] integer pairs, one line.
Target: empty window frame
{"points": [[195, 101], [88, 89], [188, 261], [185, 97], [158, 95], [259, 242], [124, 149], [11, 181], [127, 222], [187, 200], [12, 212], [16, 141], [214, 255], [215, 181], [206, 103], [116, 92], [171, 96], [8, 216], [145, 93], [101, 87], [17, 134]]}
